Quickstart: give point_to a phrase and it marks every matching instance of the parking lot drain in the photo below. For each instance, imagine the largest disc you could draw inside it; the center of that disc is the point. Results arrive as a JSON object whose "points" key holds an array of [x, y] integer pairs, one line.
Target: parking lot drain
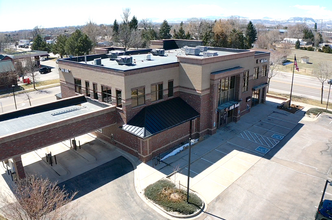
{"points": [[277, 136], [262, 150]]}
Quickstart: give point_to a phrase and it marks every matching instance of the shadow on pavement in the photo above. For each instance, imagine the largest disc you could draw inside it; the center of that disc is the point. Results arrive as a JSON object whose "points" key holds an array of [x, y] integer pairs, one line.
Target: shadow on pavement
{"points": [[262, 132], [97, 177]]}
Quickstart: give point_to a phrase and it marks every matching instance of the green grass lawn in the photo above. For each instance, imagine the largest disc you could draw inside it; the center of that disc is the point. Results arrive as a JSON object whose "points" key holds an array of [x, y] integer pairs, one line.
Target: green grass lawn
{"points": [[314, 58]]}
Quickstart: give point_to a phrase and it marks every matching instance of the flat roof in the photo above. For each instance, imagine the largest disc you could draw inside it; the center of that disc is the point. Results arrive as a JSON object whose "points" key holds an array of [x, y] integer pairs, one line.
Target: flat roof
{"points": [[141, 61], [26, 119], [24, 54]]}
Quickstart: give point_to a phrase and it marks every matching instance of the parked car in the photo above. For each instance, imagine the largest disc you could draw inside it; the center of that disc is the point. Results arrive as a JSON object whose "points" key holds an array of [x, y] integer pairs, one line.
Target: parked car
{"points": [[324, 211], [44, 70]]}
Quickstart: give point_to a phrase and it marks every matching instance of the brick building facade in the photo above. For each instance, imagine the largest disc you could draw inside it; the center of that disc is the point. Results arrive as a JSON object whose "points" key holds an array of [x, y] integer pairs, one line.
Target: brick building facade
{"points": [[218, 84]]}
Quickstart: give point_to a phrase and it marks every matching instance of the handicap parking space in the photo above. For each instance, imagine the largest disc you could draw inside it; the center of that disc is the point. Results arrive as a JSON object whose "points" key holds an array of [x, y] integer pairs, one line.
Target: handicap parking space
{"points": [[266, 134]]}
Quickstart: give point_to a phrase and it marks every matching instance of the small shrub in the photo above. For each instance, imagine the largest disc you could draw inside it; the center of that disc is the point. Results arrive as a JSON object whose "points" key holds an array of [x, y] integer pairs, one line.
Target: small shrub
{"points": [[311, 49], [165, 194]]}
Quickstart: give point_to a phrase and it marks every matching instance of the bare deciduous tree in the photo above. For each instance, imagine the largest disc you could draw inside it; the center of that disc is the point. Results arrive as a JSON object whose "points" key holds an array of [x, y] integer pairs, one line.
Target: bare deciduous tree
{"points": [[30, 70], [92, 30], [36, 198], [323, 72], [276, 59], [296, 31], [7, 79]]}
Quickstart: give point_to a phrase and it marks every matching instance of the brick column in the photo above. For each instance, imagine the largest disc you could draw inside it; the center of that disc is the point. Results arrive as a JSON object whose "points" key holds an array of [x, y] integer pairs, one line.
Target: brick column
{"points": [[19, 169]]}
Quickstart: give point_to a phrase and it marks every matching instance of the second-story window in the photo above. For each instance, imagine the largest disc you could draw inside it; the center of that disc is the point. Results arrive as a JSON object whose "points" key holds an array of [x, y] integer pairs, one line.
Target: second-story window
{"points": [[118, 98], [170, 88], [264, 70], [245, 81], [87, 88], [95, 91], [256, 73], [138, 96], [106, 94], [156, 92], [78, 85]]}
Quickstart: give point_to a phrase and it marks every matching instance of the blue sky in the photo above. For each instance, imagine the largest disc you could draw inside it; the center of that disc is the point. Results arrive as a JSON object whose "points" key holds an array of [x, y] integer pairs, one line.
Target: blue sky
{"points": [[23, 14]]}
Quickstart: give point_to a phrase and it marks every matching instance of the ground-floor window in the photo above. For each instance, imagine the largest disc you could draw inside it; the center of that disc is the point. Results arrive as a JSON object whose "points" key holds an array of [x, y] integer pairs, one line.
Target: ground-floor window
{"points": [[245, 81], [138, 96], [255, 97]]}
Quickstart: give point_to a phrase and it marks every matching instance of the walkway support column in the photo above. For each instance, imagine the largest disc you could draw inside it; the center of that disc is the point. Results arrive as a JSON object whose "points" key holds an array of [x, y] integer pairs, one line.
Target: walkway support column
{"points": [[19, 169]]}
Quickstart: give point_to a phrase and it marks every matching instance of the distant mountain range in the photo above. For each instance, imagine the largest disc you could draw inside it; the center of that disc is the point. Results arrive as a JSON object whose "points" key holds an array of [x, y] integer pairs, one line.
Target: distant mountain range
{"points": [[265, 20]]}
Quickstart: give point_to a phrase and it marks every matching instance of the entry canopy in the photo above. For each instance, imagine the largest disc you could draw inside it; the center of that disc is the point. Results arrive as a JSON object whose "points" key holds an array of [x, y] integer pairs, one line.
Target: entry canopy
{"points": [[229, 105], [259, 87]]}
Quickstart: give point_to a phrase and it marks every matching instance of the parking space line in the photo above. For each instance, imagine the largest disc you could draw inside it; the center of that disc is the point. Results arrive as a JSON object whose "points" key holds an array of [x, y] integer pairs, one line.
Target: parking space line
{"points": [[246, 148], [206, 160], [276, 125]]}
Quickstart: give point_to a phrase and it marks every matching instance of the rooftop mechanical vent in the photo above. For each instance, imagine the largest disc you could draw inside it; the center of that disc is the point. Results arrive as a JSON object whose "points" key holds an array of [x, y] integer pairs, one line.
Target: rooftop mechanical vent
{"points": [[192, 51], [124, 60], [158, 52], [210, 54], [202, 48], [97, 61], [114, 54]]}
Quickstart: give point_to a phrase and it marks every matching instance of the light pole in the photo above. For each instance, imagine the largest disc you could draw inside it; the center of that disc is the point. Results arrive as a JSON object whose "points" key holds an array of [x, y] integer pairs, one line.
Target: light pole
{"points": [[188, 180], [13, 86], [328, 95], [321, 200]]}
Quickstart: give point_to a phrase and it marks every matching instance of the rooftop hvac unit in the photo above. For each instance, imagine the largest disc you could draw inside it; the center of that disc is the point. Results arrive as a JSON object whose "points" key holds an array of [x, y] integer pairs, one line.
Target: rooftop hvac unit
{"points": [[124, 60], [114, 54], [148, 56], [97, 61], [202, 48], [192, 51], [210, 54], [158, 52]]}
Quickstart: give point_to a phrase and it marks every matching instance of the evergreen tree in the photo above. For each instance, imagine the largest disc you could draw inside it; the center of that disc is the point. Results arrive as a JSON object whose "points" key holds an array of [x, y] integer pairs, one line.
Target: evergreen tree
{"points": [[251, 34], [39, 44], [133, 23], [315, 27], [297, 44], [220, 40], [147, 35], [164, 31], [181, 33], [115, 27], [78, 44], [59, 46], [236, 39], [308, 35]]}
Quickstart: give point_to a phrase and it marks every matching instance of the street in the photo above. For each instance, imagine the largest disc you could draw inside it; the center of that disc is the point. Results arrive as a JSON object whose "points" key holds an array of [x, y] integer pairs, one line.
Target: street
{"points": [[38, 97], [304, 86]]}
